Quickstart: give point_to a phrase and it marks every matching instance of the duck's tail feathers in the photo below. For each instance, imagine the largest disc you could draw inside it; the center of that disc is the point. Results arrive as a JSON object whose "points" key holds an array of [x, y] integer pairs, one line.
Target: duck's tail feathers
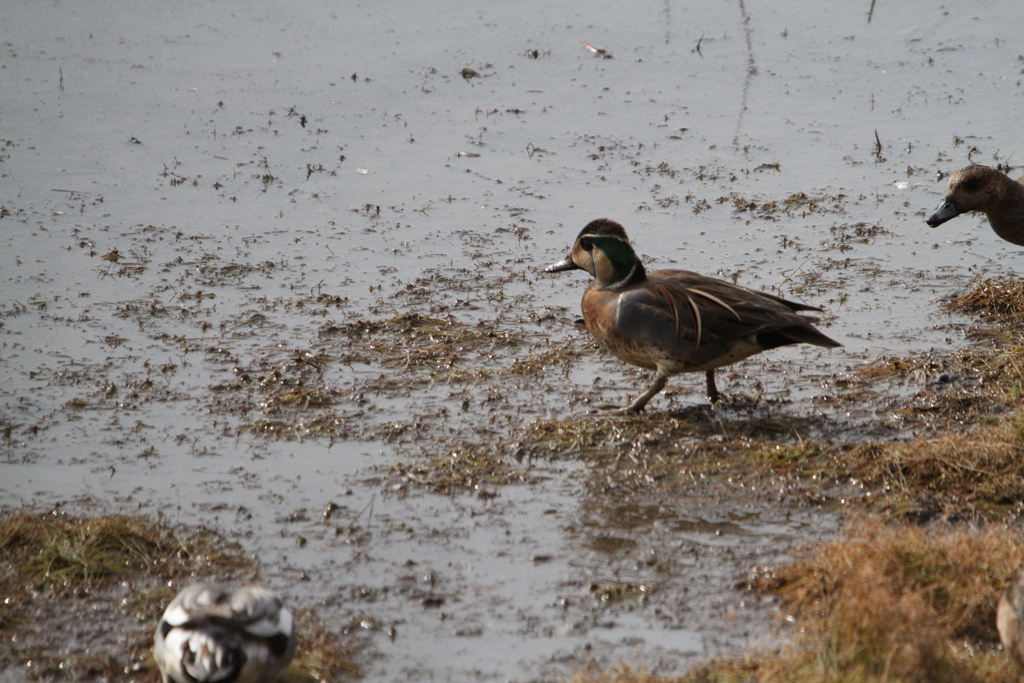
{"points": [[797, 334]]}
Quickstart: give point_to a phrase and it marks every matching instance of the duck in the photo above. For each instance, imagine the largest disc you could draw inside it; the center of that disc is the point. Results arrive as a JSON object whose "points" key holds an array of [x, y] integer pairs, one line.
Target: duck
{"points": [[1009, 615], [675, 321], [209, 633], [981, 188]]}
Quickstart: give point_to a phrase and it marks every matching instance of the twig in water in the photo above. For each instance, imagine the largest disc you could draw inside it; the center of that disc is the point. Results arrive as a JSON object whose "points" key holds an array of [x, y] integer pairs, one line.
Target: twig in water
{"points": [[532, 149]]}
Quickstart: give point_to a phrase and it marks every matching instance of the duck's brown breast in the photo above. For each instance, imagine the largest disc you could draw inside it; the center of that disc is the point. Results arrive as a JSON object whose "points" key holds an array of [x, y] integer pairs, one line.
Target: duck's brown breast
{"points": [[601, 315]]}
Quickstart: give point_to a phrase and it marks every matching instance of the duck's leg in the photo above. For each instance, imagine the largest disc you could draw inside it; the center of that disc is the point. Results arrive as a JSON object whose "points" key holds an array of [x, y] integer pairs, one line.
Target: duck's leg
{"points": [[713, 394], [659, 383]]}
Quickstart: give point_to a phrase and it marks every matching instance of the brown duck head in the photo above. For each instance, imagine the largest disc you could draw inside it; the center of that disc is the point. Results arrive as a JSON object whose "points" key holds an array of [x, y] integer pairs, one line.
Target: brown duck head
{"points": [[972, 188], [603, 250]]}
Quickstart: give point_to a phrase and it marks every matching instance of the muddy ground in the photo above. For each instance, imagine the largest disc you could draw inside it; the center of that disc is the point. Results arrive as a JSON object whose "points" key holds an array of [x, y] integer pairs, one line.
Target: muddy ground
{"points": [[277, 270]]}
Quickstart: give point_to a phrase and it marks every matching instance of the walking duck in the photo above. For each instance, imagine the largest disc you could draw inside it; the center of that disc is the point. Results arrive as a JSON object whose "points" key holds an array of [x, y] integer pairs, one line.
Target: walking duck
{"points": [[980, 188], [674, 321], [209, 634]]}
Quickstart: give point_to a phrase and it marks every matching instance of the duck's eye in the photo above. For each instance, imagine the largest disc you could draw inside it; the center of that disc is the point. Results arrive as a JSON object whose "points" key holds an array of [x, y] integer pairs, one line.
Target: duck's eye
{"points": [[586, 244], [972, 185]]}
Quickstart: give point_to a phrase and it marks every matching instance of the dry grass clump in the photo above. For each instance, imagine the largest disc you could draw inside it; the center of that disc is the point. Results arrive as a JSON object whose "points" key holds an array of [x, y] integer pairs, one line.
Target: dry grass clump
{"points": [[872, 631], [57, 551], [990, 297], [980, 472], [899, 603], [883, 604], [974, 466], [955, 573]]}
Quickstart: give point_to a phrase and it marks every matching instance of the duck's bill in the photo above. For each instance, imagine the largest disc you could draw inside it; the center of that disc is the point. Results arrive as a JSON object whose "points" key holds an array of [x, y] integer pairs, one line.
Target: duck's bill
{"points": [[564, 264], [943, 214]]}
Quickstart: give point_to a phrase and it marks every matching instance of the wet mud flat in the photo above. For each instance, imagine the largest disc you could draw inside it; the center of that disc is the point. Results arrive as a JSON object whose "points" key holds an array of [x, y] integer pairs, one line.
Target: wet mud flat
{"points": [[493, 501], [296, 297]]}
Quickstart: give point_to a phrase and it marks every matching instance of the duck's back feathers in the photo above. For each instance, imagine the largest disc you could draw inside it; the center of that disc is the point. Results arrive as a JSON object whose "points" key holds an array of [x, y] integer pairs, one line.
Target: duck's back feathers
{"points": [[700, 321]]}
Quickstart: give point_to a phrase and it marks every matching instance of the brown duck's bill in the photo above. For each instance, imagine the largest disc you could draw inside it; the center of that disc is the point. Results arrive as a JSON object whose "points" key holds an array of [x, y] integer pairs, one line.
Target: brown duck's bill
{"points": [[564, 264], [944, 213]]}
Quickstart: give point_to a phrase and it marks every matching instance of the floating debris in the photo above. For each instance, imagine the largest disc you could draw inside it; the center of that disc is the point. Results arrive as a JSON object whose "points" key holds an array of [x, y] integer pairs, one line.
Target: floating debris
{"points": [[598, 52]]}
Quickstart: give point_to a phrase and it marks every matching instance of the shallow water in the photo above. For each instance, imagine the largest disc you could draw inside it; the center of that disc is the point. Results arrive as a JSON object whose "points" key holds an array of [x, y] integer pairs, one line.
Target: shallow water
{"points": [[266, 171]]}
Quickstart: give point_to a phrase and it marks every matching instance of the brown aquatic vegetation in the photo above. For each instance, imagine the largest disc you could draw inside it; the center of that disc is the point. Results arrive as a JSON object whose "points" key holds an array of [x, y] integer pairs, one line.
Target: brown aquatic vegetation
{"points": [[956, 573], [64, 553], [993, 297], [884, 603], [979, 472], [621, 453], [413, 352], [798, 202], [676, 451], [463, 467], [897, 602], [411, 340], [617, 591]]}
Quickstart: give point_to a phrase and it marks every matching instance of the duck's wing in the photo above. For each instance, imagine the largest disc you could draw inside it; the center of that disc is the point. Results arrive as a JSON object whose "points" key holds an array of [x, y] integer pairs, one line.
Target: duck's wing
{"points": [[682, 307]]}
